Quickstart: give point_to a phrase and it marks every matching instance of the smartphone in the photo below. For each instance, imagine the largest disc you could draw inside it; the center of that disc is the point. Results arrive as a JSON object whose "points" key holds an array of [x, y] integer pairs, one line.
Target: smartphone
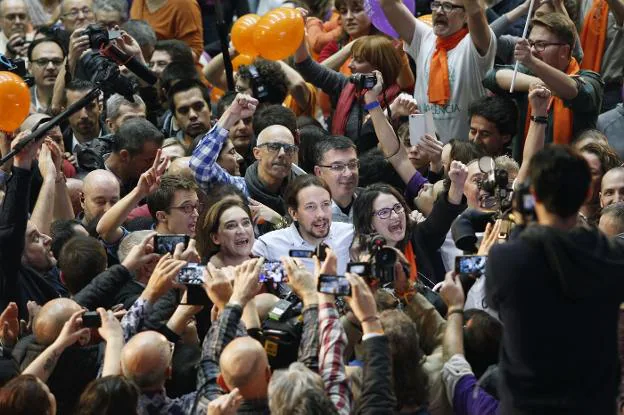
{"points": [[300, 253], [417, 128], [470, 265], [334, 285], [321, 252], [272, 271], [192, 274], [91, 319], [363, 269], [164, 244]]}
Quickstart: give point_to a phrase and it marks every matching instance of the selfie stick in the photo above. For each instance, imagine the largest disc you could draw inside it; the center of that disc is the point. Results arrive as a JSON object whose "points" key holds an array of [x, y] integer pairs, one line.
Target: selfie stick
{"points": [[524, 35]]}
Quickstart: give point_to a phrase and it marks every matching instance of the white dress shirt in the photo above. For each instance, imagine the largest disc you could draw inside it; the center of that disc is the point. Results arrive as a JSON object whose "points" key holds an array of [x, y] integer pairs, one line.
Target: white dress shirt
{"points": [[275, 245]]}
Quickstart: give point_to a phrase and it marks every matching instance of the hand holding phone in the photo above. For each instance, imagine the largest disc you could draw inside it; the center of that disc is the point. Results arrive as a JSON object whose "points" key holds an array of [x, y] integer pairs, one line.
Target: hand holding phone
{"points": [[192, 274], [164, 244], [470, 265], [91, 319], [334, 285]]}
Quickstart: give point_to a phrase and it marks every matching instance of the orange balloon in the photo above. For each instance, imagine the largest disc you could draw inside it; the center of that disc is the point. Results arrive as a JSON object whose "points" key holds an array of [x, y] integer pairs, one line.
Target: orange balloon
{"points": [[242, 60], [242, 34], [216, 94], [14, 101], [279, 33]]}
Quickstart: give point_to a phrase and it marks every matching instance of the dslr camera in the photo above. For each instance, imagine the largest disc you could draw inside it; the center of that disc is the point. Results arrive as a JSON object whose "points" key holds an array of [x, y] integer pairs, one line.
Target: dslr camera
{"points": [[382, 260], [99, 36], [363, 81]]}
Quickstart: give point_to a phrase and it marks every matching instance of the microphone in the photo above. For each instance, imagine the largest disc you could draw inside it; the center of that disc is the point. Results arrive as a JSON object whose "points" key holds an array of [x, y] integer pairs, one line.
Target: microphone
{"points": [[121, 58]]}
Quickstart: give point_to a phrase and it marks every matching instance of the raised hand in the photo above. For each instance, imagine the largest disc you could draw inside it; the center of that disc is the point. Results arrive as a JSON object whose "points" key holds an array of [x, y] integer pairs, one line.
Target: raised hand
{"points": [[404, 105], [432, 147], [78, 44], [110, 330], [150, 180], [522, 53], [9, 325], [300, 280], [217, 286], [24, 158], [539, 98], [141, 254], [362, 303], [72, 331], [247, 283], [226, 404], [372, 94], [452, 291], [188, 254], [243, 106], [458, 173], [490, 237], [163, 278], [47, 166]]}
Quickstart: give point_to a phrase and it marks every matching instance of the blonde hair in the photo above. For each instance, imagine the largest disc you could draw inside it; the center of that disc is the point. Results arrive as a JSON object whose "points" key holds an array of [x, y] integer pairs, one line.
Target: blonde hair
{"points": [[381, 53]]}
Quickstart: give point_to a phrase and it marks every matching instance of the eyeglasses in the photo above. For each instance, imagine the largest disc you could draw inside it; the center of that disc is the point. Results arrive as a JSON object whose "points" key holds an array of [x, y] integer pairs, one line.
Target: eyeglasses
{"points": [[386, 212], [73, 13], [341, 167], [447, 7], [540, 45], [289, 149], [188, 209], [14, 16], [43, 62]]}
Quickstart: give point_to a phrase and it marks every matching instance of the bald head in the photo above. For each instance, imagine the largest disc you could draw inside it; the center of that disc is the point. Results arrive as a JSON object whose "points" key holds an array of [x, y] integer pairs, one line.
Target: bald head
{"points": [[50, 320], [243, 362], [275, 133], [180, 167], [74, 188], [612, 187], [146, 360], [100, 192]]}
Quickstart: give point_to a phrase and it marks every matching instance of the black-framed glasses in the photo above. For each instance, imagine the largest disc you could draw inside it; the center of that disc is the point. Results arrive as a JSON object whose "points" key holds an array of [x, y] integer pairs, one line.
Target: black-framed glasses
{"points": [[386, 212], [353, 165], [189, 208], [73, 13], [289, 149], [445, 6], [43, 62], [541, 45], [14, 16]]}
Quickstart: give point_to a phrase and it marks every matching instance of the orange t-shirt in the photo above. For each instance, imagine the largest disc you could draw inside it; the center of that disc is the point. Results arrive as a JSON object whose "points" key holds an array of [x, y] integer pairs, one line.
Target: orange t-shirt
{"points": [[177, 19], [310, 111]]}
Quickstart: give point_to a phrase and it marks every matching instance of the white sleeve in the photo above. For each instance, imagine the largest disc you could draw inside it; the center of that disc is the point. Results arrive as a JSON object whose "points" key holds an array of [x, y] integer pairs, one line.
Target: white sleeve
{"points": [[481, 64], [260, 249], [420, 30], [453, 370]]}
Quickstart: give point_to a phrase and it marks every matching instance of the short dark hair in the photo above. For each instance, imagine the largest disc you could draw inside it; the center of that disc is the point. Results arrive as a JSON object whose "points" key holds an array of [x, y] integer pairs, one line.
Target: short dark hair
{"points": [[175, 72], [560, 25], [161, 199], [61, 231], [177, 50], [499, 110], [561, 178], [81, 259], [134, 133], [184, 85], [482, 339], [374, 166], [309, 137], [275, 115], [410, 380], [24, 395], [209, 225], [465, 151], [335, 142], [37, 42], [79, 85], [109, 395], [225, 101], [271, 75], [300, 183]]}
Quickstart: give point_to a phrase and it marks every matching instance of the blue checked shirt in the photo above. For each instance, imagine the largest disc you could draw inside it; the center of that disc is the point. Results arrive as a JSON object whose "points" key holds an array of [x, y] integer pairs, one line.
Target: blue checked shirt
{"points": [[204, 161]]}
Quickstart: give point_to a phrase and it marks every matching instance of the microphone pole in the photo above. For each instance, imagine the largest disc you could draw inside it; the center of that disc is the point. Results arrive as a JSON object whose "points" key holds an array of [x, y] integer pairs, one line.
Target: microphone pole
{"points": [[40, 132], [225, 50]]}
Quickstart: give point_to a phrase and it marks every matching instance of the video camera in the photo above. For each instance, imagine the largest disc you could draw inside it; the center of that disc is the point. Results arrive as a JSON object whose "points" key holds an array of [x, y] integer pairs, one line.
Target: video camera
{"points": [[381, 264], [282, 332], [363, 81], [18, 67]]}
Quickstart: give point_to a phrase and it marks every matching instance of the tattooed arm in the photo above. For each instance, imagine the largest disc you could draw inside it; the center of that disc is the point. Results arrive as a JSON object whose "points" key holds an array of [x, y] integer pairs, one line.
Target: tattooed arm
{"points": [[45, 363]]}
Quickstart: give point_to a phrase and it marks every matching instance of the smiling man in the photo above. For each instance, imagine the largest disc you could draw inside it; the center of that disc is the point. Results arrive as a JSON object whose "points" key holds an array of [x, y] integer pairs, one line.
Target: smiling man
{"points": [[546, 58], [459, 50]]}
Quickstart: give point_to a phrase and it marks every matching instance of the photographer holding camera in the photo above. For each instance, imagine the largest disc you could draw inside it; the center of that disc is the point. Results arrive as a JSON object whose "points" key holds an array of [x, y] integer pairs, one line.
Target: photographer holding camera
{"points": [[559, 308]]}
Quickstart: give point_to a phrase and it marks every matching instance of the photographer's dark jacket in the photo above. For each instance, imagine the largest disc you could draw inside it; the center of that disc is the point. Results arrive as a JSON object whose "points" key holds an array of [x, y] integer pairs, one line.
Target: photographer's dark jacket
{"points": [[427, 237], [104, 288], [558, 293], [18, 283]]}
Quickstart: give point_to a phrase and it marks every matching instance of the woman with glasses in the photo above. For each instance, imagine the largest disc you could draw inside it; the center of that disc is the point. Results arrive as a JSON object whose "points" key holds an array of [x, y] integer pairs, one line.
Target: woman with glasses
{"points": [[380, 209], [226, 233]]}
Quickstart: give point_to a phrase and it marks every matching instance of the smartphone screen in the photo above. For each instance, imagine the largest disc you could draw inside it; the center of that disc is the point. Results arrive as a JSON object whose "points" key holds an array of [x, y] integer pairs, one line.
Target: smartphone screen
{"points": [[192, 274], [272, 271], [334, 285], [164, 244], [300, 253], [363, 269], [472, 265]]}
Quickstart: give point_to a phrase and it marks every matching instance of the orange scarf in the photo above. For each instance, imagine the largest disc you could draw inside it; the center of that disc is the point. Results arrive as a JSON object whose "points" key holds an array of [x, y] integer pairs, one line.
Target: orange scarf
{"points": [[594, 35], [562, 116], [439, 84], [411, 258]]}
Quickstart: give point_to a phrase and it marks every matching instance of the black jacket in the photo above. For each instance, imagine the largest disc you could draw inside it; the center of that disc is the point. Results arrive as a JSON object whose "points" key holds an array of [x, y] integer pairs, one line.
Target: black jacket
{"points": [[377, 395], [76, 367], [161, 312], [17, 282], [427, 237], [558, 293], [103, 289]]}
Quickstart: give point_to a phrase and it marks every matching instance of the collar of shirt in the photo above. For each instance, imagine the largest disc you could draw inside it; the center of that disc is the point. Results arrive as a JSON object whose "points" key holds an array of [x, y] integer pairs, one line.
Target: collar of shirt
{"points": [[338, 215]]}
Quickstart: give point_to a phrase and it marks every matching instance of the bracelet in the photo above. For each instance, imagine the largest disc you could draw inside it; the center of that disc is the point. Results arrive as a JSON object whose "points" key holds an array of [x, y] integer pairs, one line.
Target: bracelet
{"points": [[539, 120], [372, 105], [369, 319], [455, 311]]}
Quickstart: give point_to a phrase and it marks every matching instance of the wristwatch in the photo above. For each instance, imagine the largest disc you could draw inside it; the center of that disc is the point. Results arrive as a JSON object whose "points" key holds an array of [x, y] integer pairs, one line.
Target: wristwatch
{"points": [[539, 119]]}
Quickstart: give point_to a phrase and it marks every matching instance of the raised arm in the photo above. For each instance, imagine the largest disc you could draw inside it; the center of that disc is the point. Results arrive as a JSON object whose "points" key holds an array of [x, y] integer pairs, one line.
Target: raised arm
{"points": [[453, 295], [296, 86], [320, 76], [500, 25], [109, 226], [401, 19], [539, 97], [43, 212], [338, 59], [522, 83], [112, 333], [478, 26], [214, 71]]}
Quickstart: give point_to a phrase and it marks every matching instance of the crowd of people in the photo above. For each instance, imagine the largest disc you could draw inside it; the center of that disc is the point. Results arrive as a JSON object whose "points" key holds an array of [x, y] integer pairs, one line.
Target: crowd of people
{"points": [[430, 223]]}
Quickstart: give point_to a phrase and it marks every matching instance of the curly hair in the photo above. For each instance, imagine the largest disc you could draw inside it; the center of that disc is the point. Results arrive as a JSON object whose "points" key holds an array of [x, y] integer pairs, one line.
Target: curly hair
{"points": [[271, 75]]}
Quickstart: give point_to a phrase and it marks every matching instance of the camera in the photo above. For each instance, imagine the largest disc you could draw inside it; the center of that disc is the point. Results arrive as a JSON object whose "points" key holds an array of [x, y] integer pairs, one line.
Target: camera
{"points": [[470, 265], [18, 67], [91, 319], [496, 186], [192, 274], [382, 260], [334, 285], [363, 81], [99, 36]]}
